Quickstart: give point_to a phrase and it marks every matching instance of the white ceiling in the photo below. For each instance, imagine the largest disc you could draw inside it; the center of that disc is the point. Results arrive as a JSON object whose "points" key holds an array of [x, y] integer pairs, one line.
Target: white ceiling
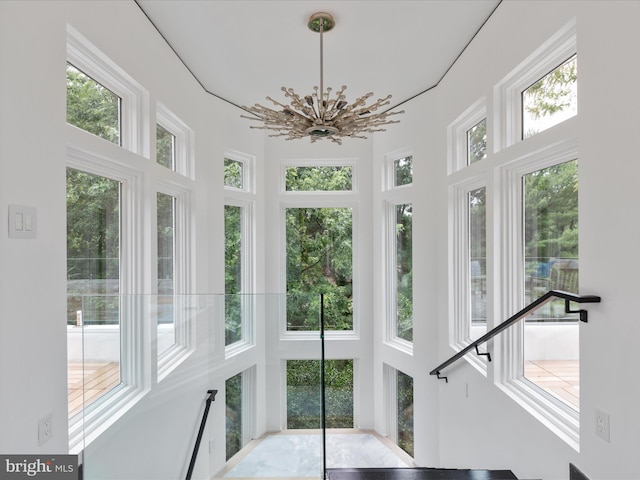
{"points": [[244, 50]]}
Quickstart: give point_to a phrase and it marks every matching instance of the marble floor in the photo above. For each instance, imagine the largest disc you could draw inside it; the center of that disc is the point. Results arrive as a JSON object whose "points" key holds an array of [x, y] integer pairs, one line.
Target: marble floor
{"points": [[286, 455]]}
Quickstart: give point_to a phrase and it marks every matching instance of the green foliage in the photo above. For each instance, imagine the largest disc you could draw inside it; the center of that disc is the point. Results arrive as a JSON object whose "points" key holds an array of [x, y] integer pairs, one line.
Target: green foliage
{"points": [[232, 173], [233, 406], [477, 142], [551, 212], [319, 179], [405, 412], [404, 271], [319, 260], [304, 394], [403, 169], [92, 107], [233, 273], [93, 244], [165, 147]]}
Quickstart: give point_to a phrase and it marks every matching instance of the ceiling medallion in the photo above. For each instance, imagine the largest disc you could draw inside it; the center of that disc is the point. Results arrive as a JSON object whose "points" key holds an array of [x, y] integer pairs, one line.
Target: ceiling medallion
{"points": [[326, 117]]}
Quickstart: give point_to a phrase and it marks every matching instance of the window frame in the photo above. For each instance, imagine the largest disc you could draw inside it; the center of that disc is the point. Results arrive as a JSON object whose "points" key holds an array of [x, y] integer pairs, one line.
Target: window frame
{"points": [[248, 171], [559, 416], [346, 162], [135, 377], [247, 261], [392, 196], [459, 271], [185, 343], [457, 151], [134, 105], [554, 52], [311, 202], [184, 148]]}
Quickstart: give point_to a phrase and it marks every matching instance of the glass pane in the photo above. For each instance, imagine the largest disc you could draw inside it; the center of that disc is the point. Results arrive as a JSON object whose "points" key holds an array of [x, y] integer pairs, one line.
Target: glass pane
{"points": [[166, 265], [93, 286], [92, 107], [165, 147], [319, 260], [404, 271], [403, 171], [233, 273], [551, 341], [304, 394], [233, 173], [310, 179], [404, 390], [477, 142], [233, 388], [478, 262], [551, 100]]}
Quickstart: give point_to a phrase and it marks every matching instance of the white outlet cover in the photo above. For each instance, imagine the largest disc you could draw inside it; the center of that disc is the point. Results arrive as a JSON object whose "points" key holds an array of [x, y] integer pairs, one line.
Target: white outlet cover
{"points": [[45, 431], [602, 425]]}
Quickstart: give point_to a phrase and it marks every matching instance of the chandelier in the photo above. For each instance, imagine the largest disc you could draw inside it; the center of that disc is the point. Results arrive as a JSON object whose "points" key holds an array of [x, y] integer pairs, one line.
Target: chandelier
{"points": [[320, 115]]}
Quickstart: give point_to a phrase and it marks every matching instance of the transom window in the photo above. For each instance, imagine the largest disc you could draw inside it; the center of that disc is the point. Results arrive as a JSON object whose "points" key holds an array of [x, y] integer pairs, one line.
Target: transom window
{"points": [[233, 173], [92, 107], [551, 100], [403, 171], [477, 142], [324, 178], [165, 147]]}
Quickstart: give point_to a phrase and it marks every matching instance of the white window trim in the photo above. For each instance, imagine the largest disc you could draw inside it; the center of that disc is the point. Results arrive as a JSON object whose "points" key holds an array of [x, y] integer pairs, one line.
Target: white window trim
{"points": [[248, 245], [184, 326], [457, 151], [346, 162], [353, 334], [508, 93], [391, 289], [459, 274], [134, 366], [134, 134], [184, 161], [389, 171], [552, 412], [248, 169]]}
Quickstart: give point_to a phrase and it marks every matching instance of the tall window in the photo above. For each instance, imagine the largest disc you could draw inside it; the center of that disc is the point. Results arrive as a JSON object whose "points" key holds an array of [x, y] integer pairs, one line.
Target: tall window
{"points": [[233, 389], [92, 107], [477, 214], [93, 286], [166, 267], [319, 255], [404, 411], [551, 100], [551, 262], [404, 271], [233, 273], [304, 394]]}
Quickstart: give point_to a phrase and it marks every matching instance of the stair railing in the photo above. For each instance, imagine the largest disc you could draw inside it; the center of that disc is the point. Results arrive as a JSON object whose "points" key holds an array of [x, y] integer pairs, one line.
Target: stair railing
{"points": [[203, 424], [547, 297]]}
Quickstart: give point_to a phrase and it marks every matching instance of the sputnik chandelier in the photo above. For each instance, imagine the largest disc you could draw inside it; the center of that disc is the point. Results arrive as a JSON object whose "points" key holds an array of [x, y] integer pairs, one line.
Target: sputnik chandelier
{"points": [[318, 115]]}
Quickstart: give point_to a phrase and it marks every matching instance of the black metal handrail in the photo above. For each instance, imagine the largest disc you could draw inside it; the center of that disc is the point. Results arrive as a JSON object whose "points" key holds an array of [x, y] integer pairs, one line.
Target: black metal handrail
{"points": [[203, 423], [547, 297]]}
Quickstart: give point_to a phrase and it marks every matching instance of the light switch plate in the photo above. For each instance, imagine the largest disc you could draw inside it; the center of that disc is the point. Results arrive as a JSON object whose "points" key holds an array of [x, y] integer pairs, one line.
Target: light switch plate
{"points": [[22, 221]]}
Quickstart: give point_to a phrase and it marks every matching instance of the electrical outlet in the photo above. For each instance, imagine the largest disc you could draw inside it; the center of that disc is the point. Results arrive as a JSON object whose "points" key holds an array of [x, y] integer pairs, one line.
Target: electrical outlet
{"points": [[45, 431], [602, 424]]}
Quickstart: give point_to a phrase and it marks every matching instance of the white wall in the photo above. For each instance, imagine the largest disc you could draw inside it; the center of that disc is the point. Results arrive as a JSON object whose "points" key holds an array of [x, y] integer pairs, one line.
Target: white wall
{"points": [[469, 421], [154, 438]]}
